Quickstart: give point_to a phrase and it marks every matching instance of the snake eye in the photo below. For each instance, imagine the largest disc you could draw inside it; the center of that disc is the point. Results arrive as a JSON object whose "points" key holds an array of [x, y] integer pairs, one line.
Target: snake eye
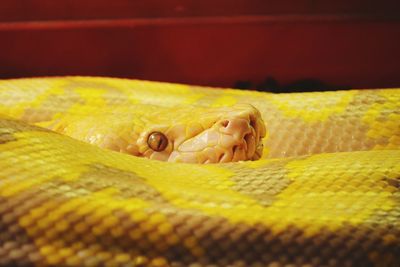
{"points": [[157, 141]]}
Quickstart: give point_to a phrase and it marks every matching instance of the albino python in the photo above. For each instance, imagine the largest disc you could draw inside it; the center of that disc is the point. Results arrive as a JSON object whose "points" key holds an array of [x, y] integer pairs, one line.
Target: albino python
{"points": [[312, 179]]}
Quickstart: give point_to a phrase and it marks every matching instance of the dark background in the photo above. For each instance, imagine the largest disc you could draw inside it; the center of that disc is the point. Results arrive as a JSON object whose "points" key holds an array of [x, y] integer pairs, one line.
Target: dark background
{"points": [[274, 45]]}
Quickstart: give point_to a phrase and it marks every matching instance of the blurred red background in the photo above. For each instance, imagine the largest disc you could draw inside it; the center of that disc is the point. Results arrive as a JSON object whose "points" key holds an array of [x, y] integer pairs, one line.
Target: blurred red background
{"points": [[346, 43]]}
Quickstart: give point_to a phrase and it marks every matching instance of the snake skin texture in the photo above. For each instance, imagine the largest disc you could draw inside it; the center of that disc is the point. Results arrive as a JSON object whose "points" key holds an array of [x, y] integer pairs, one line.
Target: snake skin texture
{"points": [[325, 193]]}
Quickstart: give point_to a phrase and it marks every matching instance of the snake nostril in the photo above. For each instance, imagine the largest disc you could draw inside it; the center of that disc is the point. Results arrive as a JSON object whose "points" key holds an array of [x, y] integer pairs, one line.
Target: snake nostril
{"points": [[225, 123]]}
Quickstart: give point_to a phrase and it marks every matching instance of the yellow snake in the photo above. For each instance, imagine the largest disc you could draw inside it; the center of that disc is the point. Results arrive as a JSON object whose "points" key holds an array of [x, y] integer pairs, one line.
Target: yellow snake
{"points": [[326, 191]]}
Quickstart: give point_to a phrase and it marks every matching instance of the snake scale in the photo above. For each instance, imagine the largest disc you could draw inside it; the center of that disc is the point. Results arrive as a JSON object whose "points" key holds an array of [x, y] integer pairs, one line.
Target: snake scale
{"points": [[322, 190]]}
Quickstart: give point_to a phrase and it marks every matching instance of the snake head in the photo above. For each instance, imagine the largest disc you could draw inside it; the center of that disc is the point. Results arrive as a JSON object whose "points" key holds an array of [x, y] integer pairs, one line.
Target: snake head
{"points": [[176, 134], [205, 135]]}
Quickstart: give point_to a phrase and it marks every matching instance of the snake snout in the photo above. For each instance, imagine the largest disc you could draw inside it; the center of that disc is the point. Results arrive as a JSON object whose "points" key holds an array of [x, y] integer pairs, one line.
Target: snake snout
{"points": [[235, 135], [242, 135]]}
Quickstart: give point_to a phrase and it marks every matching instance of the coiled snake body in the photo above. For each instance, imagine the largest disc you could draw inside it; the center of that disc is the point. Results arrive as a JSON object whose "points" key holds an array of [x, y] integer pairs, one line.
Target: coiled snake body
{"points": [[326, 191]]}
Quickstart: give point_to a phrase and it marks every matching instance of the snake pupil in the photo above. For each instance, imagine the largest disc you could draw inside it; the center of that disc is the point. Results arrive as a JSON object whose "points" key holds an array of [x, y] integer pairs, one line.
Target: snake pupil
{"points": [[157, 141]]}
